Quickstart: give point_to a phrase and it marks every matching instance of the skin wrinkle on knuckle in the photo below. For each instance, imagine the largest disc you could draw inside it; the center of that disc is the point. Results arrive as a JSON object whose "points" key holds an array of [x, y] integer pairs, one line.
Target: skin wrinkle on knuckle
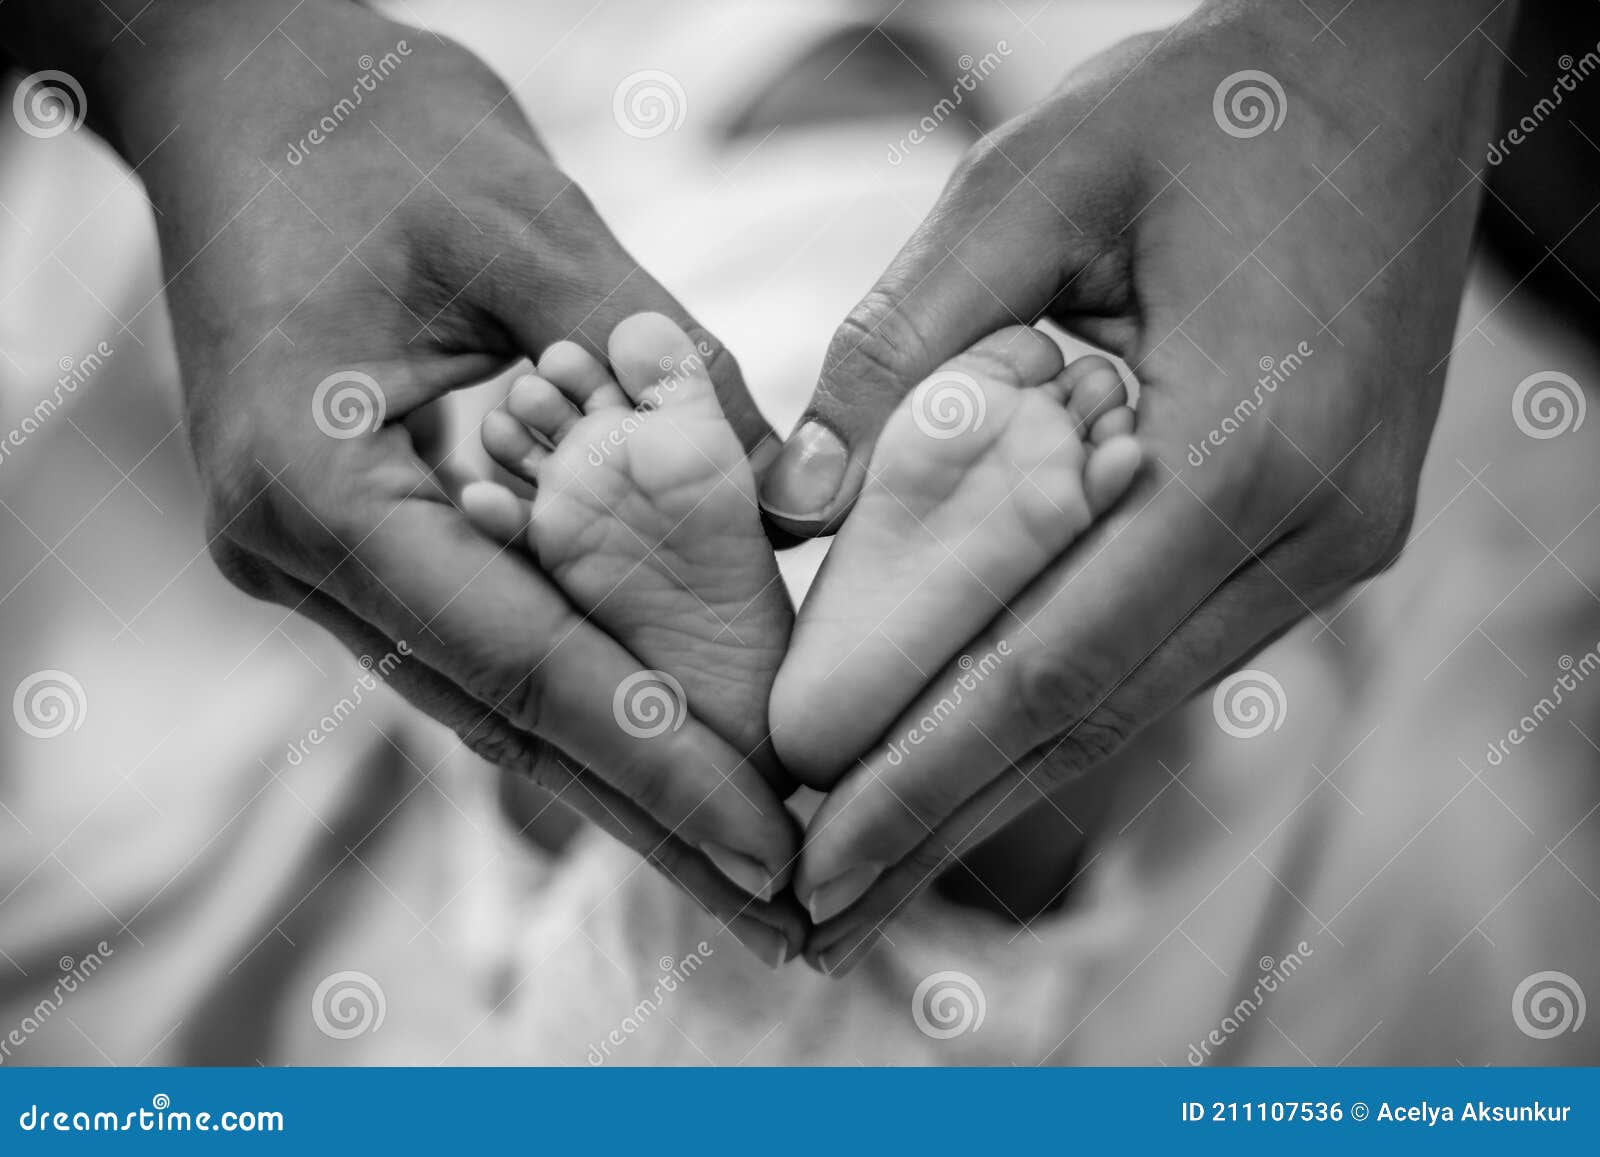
{"points": [[875, 342]]}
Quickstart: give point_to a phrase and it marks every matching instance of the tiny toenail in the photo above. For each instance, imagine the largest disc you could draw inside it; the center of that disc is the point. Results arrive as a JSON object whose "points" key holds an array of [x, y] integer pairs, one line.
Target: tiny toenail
{"points": [[741, 869], [808, 474], [839, 893]]}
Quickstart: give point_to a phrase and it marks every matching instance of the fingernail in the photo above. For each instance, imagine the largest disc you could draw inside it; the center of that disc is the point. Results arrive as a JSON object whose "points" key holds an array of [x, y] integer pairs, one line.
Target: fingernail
{"points": [[842, 961], [765, 944], [840, 892], [741, 869], [807, 475]]}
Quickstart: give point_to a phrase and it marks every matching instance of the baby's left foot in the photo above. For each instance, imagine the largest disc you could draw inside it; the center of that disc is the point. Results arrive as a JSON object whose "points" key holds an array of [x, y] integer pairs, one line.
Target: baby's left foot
{"points": [[983, 477], [645, 515]]}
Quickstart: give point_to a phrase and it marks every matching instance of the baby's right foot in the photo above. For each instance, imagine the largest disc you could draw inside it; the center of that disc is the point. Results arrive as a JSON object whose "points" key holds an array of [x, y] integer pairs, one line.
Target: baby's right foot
{"points": [[645, 515], [984, 476]]}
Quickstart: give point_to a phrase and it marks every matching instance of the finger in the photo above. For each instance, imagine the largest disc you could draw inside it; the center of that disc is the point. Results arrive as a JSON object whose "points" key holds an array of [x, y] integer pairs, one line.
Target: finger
{"points": [[583, 792], [577, 282], [995, 251], [383, 542], [1249, 608]]}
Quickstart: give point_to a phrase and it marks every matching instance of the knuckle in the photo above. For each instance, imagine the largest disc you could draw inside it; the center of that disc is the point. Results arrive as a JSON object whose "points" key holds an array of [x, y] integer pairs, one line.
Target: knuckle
{"points": [[1049, 690], [1056, 699], [876, 345]]}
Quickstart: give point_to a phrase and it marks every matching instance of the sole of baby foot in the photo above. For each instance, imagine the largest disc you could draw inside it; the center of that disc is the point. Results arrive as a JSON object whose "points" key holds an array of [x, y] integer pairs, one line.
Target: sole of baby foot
{"points": [[644, 513], [980, 479]]}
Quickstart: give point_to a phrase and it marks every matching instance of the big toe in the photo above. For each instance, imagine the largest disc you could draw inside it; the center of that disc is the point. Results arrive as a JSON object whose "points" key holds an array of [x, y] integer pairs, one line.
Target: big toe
{"points": [[1018, 355], [656, 363]]}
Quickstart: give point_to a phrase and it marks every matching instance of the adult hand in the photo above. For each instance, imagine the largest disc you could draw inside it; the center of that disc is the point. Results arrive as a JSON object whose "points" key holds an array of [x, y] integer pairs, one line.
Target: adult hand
{"points": [[356, 219], [1286, 294]]}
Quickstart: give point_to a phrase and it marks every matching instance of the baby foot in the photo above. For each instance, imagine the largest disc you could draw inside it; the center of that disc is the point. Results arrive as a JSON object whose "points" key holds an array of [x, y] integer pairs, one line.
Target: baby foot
{"points": [[982, 477], [644, 513]]}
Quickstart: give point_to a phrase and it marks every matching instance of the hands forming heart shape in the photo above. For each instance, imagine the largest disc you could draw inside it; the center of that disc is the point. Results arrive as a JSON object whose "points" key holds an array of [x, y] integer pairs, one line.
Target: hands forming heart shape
{"points": [[1284, 284], [645, 515]]}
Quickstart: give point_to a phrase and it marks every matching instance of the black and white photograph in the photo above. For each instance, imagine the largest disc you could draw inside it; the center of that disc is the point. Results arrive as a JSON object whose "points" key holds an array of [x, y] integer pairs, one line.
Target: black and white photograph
{"points": [[612, 534]]}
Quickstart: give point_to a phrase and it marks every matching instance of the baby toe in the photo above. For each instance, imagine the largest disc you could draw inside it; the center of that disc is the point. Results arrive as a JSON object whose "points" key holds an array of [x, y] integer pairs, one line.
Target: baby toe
{"points": [[1110, 471], [541, 406], [581, 377], [496, 512], [1094, 388], [1018, 355], [511, 444], [1111, 424], [656, 362]]}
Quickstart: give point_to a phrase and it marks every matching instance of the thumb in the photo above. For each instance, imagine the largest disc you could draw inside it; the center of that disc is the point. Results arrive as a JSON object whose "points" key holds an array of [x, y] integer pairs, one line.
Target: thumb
{"points": [[997, 250]]}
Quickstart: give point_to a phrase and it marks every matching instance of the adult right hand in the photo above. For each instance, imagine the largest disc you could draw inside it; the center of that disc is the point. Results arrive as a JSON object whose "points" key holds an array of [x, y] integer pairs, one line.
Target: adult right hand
{"points": [[1269, 219], [326, 287]]}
